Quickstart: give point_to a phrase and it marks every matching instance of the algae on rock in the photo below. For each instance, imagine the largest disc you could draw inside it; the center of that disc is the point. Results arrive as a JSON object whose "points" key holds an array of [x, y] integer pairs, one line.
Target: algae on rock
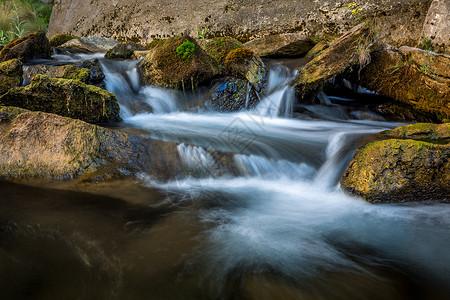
{"points": [[413, 165], [65, 97]]}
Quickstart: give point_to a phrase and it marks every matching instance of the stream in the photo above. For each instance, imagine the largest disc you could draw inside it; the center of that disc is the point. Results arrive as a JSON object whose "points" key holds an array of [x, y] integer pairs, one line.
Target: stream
{"points": [[259, 215]]}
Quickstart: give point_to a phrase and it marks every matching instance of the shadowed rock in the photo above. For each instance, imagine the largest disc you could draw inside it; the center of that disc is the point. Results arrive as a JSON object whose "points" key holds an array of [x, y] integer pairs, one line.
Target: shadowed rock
{"points": [[281, 45], [27, 48]]}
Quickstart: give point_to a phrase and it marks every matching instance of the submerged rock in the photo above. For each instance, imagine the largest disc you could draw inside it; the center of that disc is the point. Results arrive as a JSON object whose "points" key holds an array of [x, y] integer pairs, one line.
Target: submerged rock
{"points": [[66, 71], [124, 50], [412, 76], [220, 47], [91, 44], [233, 94], [38, 144], [281, 45], [179, 63], [348, 53], [60, 39], [412, 164], [10, 75], [27, 48], [65, 97]]}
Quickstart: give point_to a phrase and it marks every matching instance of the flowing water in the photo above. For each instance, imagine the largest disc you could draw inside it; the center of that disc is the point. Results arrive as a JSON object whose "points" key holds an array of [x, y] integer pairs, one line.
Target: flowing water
{"points": [[258, 215]]}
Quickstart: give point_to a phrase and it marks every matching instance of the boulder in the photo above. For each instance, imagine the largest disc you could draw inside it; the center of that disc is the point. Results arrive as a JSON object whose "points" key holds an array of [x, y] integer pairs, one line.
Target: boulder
{"points": [[65, 71], [27, 48], [62, 38], [124, 50], [219, 47], [38, 144], [346, 54], [91, 44], [412, 76], [178, 62], [97, 76], [411, 164], [436, 27], [233, 94], [65, 97], [10, 75], [399, 21], [245, 64], [281, 45]]}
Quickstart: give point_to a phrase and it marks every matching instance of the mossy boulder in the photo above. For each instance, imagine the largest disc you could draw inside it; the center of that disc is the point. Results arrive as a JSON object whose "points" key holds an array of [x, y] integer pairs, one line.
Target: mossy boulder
{"points": [[233, 94], [91, 44], [124, 50], [27, 48], [10, 75], [97, 76], [317, 49], [65, 97], [412, 76], [38, 144], [167, 67], [344, 55], [245, 64], [66, 71], [413, 165], [60, 39], [219, 47], [283, 45]]}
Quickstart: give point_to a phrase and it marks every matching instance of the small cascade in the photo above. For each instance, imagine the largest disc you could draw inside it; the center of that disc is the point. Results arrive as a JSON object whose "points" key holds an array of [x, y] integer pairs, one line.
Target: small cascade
{"points": [[161, 100], [280, 96], [266, 168], [197, 159]]}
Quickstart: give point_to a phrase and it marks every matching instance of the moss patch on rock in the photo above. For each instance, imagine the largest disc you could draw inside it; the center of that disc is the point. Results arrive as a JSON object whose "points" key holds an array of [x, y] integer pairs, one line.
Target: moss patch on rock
{"points": [[27, 48], [59, 39], [164, 66], [243, 63], [67, 72], [220, 47], [10, 75], [65, 97], [413, 166], [38, 144]]}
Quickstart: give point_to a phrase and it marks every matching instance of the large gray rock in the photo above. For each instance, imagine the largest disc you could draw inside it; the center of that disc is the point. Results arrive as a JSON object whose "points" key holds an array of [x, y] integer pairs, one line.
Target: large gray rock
{"points": [[91, 44], [399, 21], [437, 25]]}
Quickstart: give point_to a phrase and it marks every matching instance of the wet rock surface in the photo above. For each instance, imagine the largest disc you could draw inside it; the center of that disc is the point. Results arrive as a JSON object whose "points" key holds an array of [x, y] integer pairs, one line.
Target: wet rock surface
{"points": [[412, 164], [65, 97], [38, 144]]}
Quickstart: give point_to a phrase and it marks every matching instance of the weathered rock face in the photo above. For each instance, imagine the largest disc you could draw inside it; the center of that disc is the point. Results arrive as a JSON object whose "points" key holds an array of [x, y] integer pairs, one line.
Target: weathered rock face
{"points": [[10, 75], [124, 50], [436, 26], [281, 45], [179, 63], [412, 165], [91, 44], [243, 63], [65, 97], [32, 46], [37, 144], [400, 21], [412, 76], [342, 56], [65, 71]]}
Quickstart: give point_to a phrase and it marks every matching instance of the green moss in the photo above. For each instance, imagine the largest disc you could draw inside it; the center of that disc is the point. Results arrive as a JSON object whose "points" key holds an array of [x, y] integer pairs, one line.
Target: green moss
{"points": [[238, 56], [185, 50], [220, 47], [59, 39]]}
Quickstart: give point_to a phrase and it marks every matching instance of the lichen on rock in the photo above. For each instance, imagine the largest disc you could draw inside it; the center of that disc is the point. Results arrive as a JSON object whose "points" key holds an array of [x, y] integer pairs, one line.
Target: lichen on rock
{"points": [[164, 67], [65, 97]]}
